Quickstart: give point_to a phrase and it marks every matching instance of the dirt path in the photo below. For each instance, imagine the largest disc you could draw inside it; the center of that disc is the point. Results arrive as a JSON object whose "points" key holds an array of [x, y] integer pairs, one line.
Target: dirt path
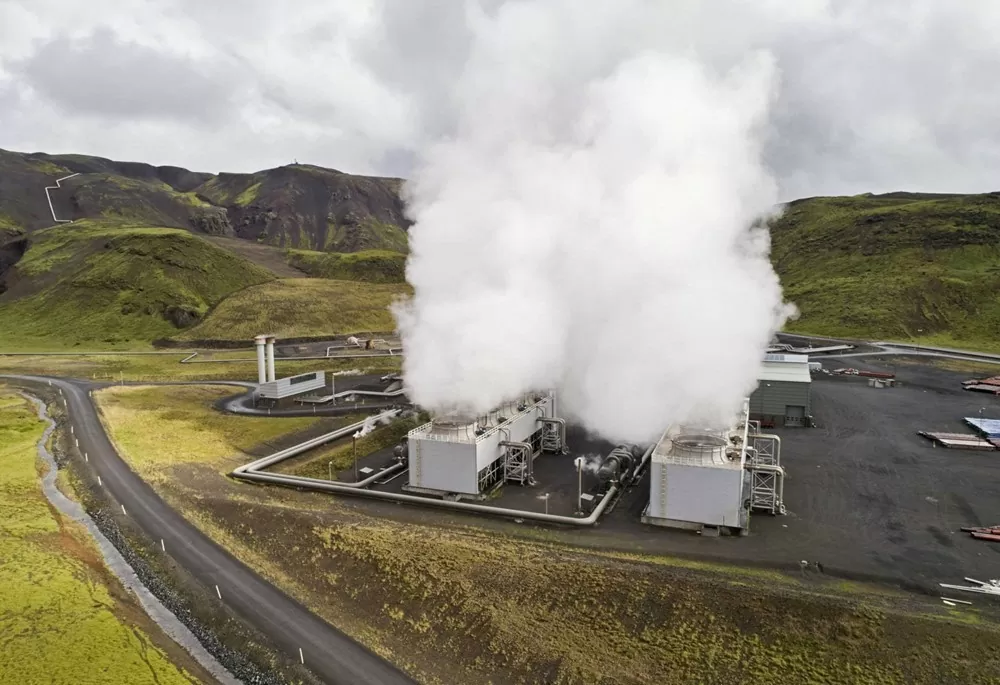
{"points": [[268, 256]]}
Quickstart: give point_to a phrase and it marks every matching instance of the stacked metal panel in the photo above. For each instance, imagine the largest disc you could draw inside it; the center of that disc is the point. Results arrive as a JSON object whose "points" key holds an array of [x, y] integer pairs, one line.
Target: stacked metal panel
{"points": [[965, 441], [988, 428], [293, 385]]}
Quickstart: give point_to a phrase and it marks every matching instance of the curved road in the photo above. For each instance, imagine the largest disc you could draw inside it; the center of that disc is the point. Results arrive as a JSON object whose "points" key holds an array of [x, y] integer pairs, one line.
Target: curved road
{"points": [[327, 652]]}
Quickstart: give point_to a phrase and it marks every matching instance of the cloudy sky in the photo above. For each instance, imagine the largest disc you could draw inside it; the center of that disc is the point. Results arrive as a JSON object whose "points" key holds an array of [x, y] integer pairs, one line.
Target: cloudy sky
{"points": [[871, 96]]}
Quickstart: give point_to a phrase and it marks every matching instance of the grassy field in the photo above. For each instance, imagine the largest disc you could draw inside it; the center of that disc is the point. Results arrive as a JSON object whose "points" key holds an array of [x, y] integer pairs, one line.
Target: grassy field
{"points": [[897, 267], [299, 308], [316, 463], [63, 617], [106, 284], [149, 423], [166, 367], [375, 266], [451, 603]]}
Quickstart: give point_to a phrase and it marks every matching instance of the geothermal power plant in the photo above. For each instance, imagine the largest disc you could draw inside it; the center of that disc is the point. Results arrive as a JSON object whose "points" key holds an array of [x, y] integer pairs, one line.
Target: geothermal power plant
{"points": [[526, 461]]}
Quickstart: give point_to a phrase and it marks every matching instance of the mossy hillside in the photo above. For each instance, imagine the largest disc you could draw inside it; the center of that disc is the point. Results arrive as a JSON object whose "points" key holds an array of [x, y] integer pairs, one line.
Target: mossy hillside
{"points": [[63, 618], [367, 235], [231, 189], [9, 228], [91, 282], [299, 308], [22, 195], [151, 202], [375, 266], [896, 266]]}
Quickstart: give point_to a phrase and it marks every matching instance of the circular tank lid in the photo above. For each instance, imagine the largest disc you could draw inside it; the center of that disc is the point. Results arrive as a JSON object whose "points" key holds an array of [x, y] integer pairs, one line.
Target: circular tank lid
{"points": [[452, 421], [695, 441]]}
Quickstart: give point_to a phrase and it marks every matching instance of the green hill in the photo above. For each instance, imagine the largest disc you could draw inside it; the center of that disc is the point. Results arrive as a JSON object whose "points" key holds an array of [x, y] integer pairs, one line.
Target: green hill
{"points": [[299, 308], [895, 266], [309, 207], [111, 283], [293, 206], [375, 266]]}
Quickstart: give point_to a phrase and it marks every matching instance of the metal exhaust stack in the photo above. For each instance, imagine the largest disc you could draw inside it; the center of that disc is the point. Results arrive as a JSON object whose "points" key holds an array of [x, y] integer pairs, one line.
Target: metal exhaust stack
{"points": [[270, 358], [260, 341]]}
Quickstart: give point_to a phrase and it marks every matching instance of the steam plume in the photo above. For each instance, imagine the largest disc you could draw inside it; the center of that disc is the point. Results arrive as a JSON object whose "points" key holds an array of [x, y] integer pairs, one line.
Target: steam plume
{"points": [[588, 228]]}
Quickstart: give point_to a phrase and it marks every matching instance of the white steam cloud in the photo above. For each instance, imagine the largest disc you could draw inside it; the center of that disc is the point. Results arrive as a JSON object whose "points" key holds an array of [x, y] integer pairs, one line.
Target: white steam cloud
{"points": [[588, 226]]}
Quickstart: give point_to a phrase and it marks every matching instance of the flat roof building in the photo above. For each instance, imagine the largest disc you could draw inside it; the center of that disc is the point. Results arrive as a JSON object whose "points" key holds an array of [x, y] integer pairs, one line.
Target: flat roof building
{"points": [[782, 396]]}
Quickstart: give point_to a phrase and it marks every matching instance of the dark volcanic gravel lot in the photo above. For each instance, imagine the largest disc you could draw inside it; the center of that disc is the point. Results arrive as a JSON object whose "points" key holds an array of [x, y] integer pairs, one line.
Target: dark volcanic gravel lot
{"points": [[867, 497]]}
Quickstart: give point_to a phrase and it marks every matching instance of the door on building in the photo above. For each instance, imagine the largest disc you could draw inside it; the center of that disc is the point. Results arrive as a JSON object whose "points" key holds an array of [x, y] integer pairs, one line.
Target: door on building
{"points": [[795, 416]]}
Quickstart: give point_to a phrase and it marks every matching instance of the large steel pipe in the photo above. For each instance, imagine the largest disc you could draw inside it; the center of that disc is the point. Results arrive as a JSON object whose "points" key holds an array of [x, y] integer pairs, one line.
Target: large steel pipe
{"points": [[244, 473], [270, 359], [260, 341]]}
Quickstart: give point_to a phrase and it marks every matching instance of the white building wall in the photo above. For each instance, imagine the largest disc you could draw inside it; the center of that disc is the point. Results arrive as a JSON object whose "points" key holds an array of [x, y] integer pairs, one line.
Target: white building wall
{"points": [[445, 466], [285, 387], [697, 494]]}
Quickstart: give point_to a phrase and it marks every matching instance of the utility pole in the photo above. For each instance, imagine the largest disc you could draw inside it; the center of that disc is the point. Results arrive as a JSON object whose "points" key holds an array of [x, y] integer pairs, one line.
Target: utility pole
{"points": [[546, 498], [330, 469], [354, 446], [579, 486]]}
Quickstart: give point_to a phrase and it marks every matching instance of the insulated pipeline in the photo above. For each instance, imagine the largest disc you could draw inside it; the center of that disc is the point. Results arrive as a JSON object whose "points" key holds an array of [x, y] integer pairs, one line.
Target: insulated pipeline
{"points": [[245, 473], [281, 455], [341, 488]]}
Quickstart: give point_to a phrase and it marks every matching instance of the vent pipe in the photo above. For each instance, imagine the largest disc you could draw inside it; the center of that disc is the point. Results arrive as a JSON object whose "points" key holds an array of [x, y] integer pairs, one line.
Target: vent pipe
{"points": [[260, 341], [270, 358]]}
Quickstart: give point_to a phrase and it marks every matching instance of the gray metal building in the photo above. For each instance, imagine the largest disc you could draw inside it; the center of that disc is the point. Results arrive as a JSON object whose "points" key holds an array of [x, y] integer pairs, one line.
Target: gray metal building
{"points": [[783, 390]]}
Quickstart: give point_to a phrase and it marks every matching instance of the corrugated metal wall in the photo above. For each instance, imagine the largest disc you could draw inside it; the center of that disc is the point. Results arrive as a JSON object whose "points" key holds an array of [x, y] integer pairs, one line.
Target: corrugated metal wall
{"points": [[772, 397], [445, 466]]}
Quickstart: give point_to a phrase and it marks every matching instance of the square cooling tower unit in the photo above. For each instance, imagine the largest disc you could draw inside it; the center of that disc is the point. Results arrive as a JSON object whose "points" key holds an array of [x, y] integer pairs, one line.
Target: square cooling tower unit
{"points": [[698, 479], [466, 456]]}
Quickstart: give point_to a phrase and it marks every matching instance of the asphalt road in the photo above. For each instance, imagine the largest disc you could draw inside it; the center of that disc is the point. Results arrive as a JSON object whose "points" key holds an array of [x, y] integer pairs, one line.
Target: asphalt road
{"points": [[327, 652]]}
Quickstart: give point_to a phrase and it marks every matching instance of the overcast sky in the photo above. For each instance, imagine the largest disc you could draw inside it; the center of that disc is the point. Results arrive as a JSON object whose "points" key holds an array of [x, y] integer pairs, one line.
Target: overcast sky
{"points": [[874, 95]]}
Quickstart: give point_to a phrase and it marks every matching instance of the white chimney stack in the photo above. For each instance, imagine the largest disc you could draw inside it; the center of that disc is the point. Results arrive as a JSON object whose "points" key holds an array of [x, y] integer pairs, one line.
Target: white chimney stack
{"points": [[260, 341], [270, 358]]}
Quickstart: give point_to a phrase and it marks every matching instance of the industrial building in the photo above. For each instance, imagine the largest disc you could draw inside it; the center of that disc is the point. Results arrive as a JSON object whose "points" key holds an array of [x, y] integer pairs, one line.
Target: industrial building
{"points": [[271, 388], [783, 391], [709, 479], [697, 478], [468, 456], [292, 386]]}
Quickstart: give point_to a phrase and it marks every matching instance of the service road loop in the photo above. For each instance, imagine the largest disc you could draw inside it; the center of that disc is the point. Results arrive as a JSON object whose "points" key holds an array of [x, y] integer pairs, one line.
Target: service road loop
{"points": [[327, 652]]}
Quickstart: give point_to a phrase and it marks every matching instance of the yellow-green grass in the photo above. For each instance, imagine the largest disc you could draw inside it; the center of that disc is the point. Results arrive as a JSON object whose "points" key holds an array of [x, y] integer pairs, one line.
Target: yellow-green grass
{"points": [[97, 283], [375, 266], [300, 307], [151, 368], [63, 617], [157, 427]]}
